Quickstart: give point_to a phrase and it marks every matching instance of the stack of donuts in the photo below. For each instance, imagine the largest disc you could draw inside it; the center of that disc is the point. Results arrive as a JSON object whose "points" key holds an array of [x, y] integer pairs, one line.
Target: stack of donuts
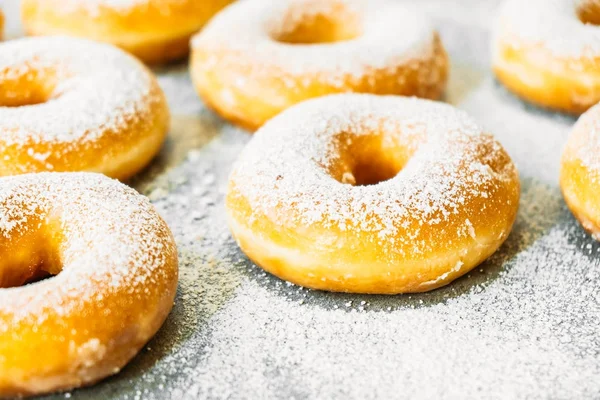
{"points": [[357, 179]]}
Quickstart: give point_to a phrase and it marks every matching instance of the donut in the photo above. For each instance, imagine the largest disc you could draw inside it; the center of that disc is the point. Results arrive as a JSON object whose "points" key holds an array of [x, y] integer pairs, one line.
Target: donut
{"points": [[100, 269], [371, 194], [259, 57], [1, 25], [156, 31], [69, 104], [548, 52], [580, 171]]}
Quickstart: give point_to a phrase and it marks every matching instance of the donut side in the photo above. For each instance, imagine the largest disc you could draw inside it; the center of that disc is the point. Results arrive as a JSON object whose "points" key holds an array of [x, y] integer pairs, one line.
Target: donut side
{"points": [[580, 172], [1, 24], [534, 74], [156, 31]]}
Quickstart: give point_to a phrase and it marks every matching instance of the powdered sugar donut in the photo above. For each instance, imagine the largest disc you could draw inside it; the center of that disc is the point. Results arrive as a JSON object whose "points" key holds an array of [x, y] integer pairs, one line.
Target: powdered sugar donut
{"points": [[548, 52], [115, 263], [580, 171], [258, 57], [371, 194], [153, 30], [70, 104]]}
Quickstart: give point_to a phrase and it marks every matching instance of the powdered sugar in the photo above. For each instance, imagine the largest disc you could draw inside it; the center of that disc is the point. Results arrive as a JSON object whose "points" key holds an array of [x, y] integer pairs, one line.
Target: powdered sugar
{"points": [[524, 325], [98, 88], [584, 141], [550, 24], [284, 171], [108, 230], [493, 340], [390, 34]]}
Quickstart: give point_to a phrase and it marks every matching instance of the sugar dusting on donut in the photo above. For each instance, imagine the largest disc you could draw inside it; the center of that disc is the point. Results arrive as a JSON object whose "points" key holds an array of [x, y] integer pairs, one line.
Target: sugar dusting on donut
{"points": [[109, 231], [284, 166], [551, 24], [391, 35], [585, 140], [99, 88]]}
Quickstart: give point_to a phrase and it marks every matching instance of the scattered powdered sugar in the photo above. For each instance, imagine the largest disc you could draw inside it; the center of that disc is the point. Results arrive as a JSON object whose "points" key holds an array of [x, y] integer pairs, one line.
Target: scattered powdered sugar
{"points": [[550, 24], [390, 35], [523, 325], [510, 339], [284, 172], [98, 89], [112, 240]]}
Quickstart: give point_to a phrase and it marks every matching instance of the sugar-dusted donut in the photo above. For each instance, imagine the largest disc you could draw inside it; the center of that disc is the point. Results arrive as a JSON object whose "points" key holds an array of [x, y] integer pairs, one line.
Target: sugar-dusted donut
{"points": [[548, 52], [258, 57], [371, 194], [156, 31], [580, 171], [115, 266], [70, 104]]}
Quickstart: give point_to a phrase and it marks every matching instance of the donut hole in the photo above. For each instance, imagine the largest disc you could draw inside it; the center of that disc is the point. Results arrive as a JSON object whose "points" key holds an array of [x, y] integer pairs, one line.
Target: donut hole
{"points": [[30, 88], [29, 257], [315, 22], [588, 12], [366, 173], [369, 160]]}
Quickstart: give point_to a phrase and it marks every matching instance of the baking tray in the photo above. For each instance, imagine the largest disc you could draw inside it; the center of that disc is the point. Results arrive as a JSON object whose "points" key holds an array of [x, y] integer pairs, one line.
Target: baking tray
{"points": [[525, 324]]}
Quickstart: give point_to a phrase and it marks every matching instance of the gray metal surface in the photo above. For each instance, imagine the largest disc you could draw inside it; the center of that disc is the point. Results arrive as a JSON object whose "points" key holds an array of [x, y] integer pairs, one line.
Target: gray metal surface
{"points": [[523, 325]]}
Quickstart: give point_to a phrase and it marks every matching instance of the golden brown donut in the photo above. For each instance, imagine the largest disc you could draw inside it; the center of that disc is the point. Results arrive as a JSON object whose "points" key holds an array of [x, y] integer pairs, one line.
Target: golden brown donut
{"points": [[580, 171], [371, 194], [1, 25], [156, 31], [112, 263], [548, 52], [258, 57], [69, 104]]}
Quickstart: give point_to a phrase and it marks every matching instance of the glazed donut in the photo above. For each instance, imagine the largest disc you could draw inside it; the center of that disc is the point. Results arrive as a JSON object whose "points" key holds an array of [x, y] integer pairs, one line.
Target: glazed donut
{"points": [[70, 104], [156, 31], [371, 194], [111, 264], [258, 57], [580, 171], [548, 52]]}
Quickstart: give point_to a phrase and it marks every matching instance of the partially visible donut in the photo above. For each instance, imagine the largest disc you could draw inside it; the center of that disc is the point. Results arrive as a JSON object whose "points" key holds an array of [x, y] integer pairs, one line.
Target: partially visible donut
{"points": [[548, 52], [156, 31], [580, 171], [258, 57], [371, 194], [115, 266], [1, 25], [69, 104]]}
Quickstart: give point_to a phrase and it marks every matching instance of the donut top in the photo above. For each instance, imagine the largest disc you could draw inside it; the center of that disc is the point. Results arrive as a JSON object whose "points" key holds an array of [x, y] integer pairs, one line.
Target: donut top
{"points": [[283, 172], [97, 88], [552, 24], [585, 140], [110, 234], [389, 34]]}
